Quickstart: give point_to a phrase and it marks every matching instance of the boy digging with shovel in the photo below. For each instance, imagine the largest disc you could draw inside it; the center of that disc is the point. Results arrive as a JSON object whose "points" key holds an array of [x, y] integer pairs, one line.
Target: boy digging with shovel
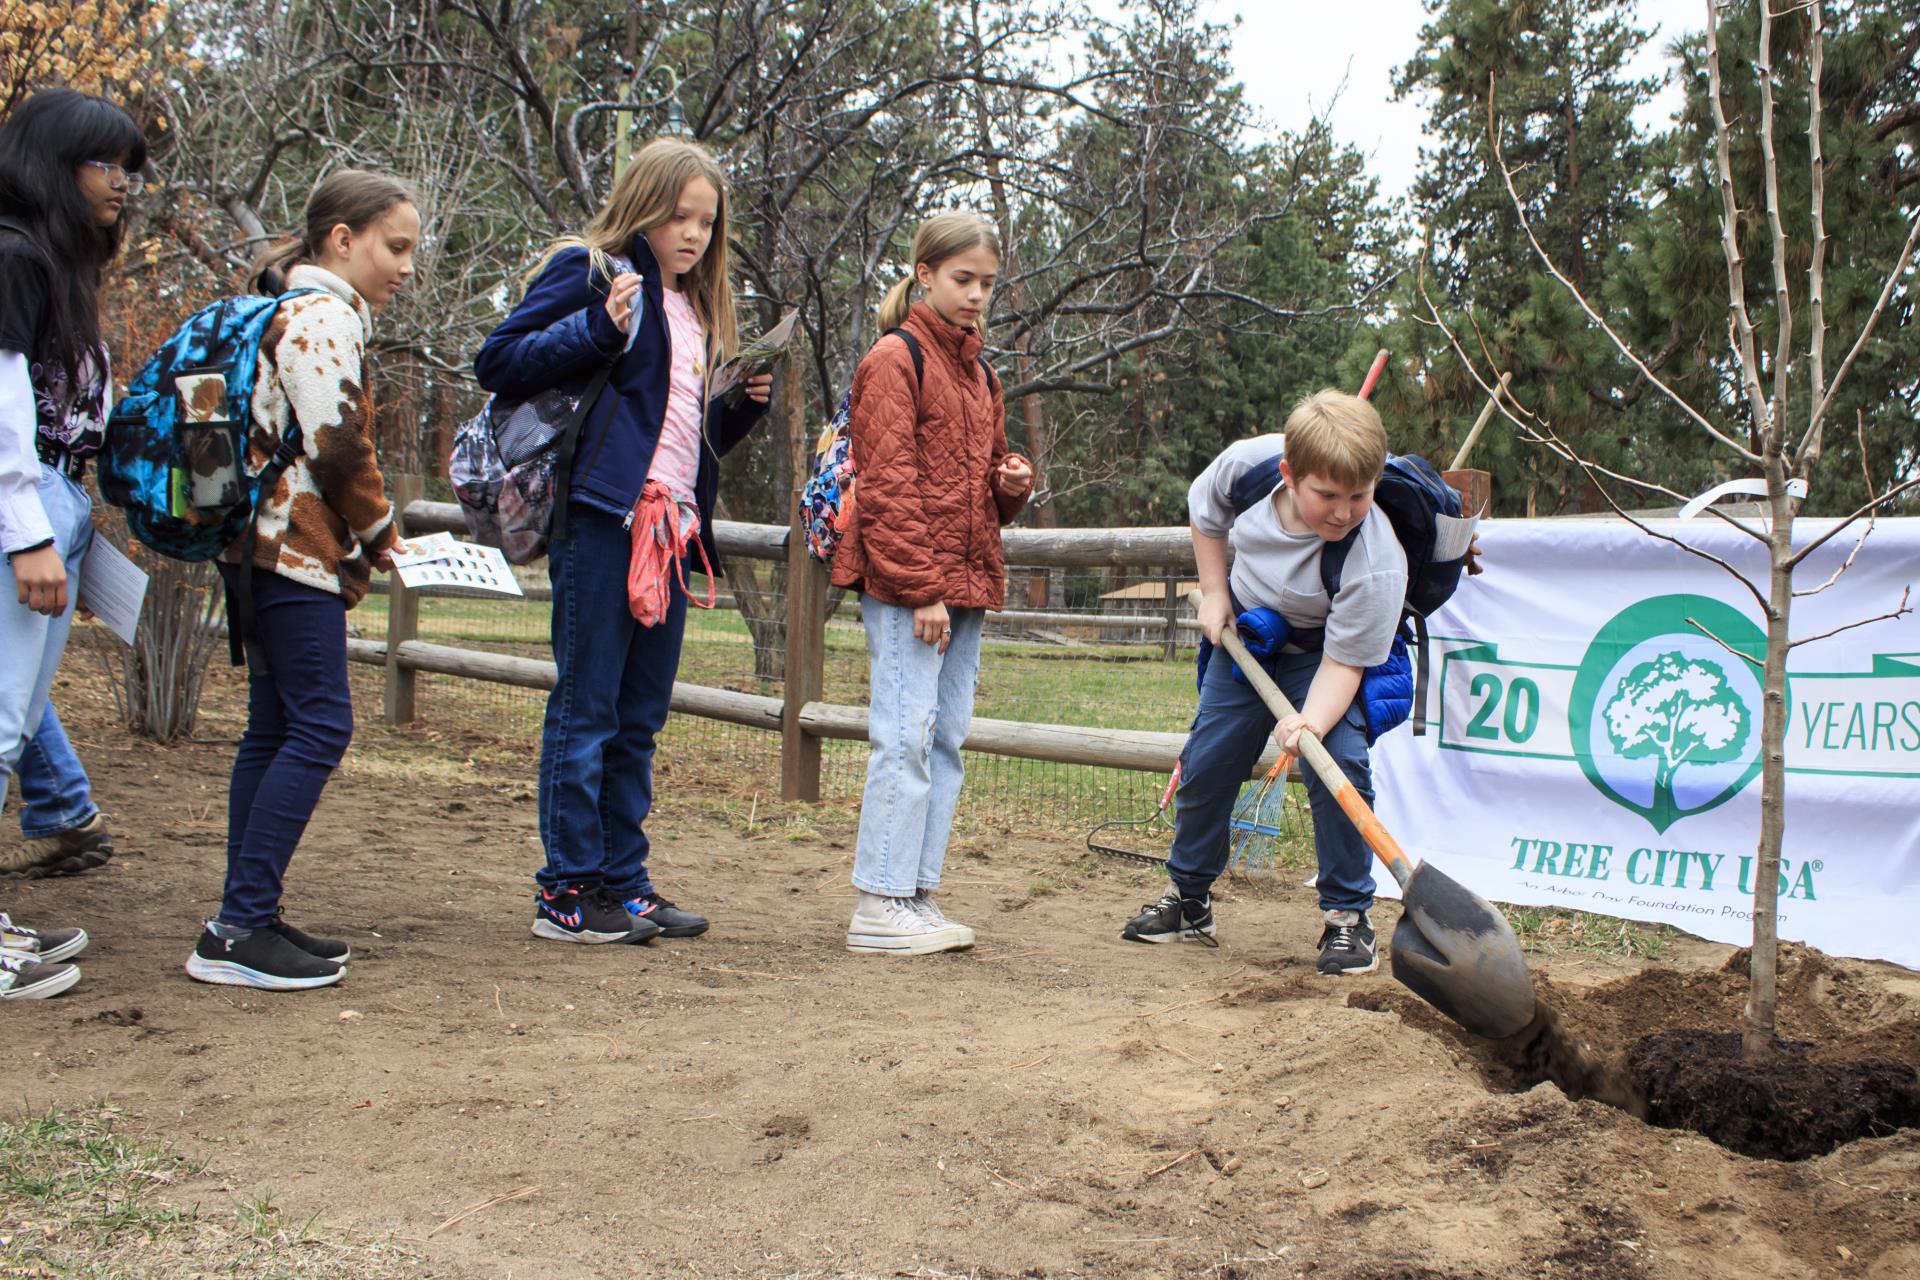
{"points": [[1324, 648]]}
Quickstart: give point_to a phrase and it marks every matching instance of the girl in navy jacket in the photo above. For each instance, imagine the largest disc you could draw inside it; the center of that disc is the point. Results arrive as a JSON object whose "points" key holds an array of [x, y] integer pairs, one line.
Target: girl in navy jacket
{"points": [[645, 287]]}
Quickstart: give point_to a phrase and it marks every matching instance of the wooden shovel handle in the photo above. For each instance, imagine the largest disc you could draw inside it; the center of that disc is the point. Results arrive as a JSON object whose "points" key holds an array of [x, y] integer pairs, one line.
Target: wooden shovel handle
{"points": [[1378, 838]]}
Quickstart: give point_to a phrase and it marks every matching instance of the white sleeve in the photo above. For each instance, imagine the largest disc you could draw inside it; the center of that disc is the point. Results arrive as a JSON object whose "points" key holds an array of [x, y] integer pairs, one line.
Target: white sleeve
{"points": [[23, 521]]}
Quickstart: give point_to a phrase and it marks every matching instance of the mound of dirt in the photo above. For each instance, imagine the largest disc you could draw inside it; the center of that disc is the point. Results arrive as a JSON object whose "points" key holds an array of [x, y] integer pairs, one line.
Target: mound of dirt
{"points": [[1788, 1106], [1664, 1045]]}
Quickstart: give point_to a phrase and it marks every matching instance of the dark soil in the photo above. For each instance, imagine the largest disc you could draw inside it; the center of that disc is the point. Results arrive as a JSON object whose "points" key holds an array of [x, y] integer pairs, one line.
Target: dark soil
{"points": [[1664, 1046], [1787, 1106]]}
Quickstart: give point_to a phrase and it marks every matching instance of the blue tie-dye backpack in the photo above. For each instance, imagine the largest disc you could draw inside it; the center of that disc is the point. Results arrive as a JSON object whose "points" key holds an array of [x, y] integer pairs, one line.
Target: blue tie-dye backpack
{"points": [[185, 485]]}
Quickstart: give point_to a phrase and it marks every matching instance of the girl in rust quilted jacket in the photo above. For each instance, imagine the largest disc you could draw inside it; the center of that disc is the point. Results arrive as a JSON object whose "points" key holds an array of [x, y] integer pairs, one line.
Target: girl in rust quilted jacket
{"points": [[936, 482]]}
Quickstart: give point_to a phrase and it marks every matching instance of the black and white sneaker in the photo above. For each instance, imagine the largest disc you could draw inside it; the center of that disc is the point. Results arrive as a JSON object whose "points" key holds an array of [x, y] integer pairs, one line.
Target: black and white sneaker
{"points": [[671, 920], [580, 913], [325, 948], [24, 978], [1173, 919], [1346, 944], [263, 959]]}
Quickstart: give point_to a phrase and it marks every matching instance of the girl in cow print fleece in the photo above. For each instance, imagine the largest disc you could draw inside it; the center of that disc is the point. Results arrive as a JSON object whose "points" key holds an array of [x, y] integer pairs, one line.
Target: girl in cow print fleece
{"points": [[922, 546], [322, 530]]}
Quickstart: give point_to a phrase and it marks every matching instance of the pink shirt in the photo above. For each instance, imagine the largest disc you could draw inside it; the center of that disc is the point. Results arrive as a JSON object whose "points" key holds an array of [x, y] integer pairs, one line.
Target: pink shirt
{"points": [[676, 461]]}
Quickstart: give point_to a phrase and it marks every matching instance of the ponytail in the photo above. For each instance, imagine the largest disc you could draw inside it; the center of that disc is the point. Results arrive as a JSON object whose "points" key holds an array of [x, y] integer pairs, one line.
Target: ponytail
{"points": [[356, 198], [940, 237], [894, 307]]}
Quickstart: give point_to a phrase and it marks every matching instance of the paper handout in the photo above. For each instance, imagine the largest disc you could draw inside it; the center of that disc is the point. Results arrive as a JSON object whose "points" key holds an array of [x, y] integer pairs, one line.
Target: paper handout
{"points": [[463, 568], [112, 588]]}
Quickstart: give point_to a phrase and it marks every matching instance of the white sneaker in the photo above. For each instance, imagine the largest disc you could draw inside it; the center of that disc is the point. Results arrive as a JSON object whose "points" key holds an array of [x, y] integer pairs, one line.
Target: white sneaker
{"points": [[892, 926], [930, 910]]}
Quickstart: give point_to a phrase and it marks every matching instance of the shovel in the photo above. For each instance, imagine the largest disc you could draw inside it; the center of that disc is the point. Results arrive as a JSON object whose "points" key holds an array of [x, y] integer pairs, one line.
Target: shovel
{"points": [[1452, 948]]}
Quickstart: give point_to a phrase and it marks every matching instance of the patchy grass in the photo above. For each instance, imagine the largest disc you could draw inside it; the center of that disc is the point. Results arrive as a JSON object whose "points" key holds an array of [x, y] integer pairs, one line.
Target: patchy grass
{"points": [[1556, 929], [80, 1198]]}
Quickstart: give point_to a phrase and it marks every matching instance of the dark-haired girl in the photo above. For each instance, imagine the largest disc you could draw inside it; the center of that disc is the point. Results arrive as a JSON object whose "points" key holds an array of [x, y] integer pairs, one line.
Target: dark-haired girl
{"points": [[68, 164], [321, 531]]}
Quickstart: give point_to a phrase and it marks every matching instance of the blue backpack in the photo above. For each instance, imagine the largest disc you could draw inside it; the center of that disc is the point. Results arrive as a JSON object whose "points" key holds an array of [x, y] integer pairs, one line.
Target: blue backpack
{"points": [[184, 485], [1414, 499]]}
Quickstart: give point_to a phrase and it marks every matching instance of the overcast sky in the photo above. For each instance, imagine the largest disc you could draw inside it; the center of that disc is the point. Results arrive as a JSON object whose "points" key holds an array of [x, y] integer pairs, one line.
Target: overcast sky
{"points": [[1293, 54]]}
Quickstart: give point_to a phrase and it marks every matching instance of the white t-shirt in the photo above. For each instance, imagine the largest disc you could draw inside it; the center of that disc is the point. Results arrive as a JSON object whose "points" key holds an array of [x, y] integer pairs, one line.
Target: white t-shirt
{"points": [[1278, 570]]}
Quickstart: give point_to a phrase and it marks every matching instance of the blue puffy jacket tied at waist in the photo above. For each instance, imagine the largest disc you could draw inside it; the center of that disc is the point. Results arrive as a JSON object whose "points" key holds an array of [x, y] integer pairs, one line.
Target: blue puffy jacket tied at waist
{"points": [[1386, 690]]}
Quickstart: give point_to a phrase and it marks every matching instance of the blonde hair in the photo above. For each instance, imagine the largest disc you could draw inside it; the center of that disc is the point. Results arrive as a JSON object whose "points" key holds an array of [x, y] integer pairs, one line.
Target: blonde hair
{"points": [[943, 236], [644, 197], [1338, 437]]}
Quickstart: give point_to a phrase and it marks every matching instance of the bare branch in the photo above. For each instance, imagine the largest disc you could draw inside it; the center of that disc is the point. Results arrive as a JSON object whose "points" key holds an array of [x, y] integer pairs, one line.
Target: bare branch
{"points": [[1742, 323], [1707, 631], [1579, 298], [1901, 611], [1809, 452], [1770, 176]]}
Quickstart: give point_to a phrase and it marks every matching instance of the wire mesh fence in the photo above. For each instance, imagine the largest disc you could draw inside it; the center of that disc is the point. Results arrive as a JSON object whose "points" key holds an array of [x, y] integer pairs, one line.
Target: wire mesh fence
{"points": [[1067, 651]]}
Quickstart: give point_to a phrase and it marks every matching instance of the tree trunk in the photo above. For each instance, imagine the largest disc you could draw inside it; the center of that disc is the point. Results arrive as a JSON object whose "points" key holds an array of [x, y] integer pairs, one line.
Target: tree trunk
{"points": [[1763, 968]]}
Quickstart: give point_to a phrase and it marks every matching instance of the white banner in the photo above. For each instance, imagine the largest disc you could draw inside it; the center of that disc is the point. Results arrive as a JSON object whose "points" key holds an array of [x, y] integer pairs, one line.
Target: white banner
{"points": [[1592, 743]]}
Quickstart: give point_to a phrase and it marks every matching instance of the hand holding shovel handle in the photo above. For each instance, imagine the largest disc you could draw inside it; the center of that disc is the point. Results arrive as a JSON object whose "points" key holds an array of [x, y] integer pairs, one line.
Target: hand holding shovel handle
{"points": [[1376, 835], [1452, 948]]}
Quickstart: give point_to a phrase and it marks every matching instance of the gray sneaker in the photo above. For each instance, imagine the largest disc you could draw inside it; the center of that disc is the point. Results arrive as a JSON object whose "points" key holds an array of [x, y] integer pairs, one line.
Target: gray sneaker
{"points": [[1346, 944], [24, 978], [48, 946]]}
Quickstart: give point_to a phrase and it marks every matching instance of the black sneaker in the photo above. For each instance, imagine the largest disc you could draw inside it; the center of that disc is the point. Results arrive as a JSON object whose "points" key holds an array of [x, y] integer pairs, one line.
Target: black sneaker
{"points": [[579, 913], [24, 978], [263, 959], [1173, 919], [671, 920], [325, 948], [1346, 944]]}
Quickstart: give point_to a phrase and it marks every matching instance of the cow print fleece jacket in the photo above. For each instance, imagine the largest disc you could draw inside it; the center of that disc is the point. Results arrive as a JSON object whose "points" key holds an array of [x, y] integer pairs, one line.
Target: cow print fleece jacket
{"points": [[330, 509]]}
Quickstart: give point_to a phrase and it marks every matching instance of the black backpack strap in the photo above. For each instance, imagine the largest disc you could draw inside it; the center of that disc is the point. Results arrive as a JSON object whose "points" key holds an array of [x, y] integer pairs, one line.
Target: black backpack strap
{"points": [[243, 633], [913, 349], [1420, 675], [569, 438], [1333, 562], [1256, 484], [993, 380]]}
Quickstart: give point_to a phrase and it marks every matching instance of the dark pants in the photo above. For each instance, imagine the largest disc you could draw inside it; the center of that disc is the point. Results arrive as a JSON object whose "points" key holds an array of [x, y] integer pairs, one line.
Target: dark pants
{"points": [[609, 703], [299, 721], [1229, 732]]}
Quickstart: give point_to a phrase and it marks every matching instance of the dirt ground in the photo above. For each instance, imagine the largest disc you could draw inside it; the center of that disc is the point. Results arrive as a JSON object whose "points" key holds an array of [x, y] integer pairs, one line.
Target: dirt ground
{"points": [[759, 1103]]}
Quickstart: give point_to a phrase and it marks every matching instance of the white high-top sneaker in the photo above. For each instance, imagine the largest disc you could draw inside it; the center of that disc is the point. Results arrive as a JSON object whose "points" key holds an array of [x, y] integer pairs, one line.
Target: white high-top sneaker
{"points": [[923, 903], [893, 927]]}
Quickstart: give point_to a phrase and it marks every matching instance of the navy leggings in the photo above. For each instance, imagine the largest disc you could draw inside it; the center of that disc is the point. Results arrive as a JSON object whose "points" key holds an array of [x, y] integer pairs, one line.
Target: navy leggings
{"points": [[299, 721]]}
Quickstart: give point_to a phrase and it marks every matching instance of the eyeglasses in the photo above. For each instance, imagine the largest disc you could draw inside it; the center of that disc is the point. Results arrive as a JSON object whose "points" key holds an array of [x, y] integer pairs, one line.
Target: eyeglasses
{"points": [[118, 176]]}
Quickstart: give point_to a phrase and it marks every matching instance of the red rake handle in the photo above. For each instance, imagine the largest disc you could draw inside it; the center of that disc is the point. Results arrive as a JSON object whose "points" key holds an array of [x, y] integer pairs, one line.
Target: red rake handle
{"points": [[1373, 374]]}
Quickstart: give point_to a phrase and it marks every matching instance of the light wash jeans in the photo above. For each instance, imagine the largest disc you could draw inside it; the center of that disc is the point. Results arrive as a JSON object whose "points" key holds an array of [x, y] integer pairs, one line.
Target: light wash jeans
{"points": [[55, 793], [32, 642], [920, 703]]}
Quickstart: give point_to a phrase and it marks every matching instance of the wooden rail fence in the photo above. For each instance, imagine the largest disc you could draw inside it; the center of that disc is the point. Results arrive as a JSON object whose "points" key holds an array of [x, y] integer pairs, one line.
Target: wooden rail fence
{"points": [[800, 716]]}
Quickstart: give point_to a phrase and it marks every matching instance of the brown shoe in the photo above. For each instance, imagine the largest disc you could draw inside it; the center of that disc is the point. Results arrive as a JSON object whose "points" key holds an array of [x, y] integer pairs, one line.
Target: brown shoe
{"points": [[68, 853]]}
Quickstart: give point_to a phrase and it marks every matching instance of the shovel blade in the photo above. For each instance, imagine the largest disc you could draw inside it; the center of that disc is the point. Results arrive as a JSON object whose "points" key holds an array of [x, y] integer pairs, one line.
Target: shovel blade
{"points": [[1454, 949]]}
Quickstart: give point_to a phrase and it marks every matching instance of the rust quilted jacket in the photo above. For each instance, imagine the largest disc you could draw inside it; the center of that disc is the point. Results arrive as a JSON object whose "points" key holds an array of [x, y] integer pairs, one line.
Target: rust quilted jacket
{"points": [[926, 521]]}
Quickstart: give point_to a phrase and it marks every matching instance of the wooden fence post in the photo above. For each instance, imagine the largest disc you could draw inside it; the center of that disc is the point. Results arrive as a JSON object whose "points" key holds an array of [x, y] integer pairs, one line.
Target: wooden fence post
{"points": [[805, 675], [403, 615]]}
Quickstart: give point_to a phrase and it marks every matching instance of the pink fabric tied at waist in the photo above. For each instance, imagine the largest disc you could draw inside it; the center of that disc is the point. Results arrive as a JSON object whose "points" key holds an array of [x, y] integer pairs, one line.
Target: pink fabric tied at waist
{"points": [[663, 528]]}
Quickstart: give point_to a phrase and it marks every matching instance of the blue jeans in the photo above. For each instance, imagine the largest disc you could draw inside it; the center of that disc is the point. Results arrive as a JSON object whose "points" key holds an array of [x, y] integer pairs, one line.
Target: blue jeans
{"points": [[33, 642], [299, 722], [1229, 732], [55, 795], [919, 705], [607, 707]]}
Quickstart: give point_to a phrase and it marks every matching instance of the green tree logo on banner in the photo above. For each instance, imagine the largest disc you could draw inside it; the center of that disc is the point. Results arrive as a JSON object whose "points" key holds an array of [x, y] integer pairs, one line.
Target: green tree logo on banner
{"points": [[1679, 711], [1662, 714]]}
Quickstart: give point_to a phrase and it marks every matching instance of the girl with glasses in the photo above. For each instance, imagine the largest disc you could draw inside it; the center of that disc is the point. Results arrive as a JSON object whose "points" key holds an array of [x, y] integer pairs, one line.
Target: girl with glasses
{"points": [[60, 225]]}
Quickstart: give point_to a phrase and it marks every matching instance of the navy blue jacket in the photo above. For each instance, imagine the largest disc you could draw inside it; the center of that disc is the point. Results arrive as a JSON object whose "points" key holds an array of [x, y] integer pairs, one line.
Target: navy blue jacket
{"points": [[559, 335]]}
